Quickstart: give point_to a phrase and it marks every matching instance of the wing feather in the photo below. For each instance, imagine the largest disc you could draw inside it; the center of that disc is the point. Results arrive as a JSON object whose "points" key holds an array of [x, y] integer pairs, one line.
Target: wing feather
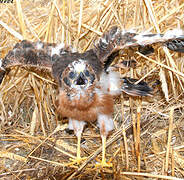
{"points": [[34, 56], [176, 45], [116, 39]]}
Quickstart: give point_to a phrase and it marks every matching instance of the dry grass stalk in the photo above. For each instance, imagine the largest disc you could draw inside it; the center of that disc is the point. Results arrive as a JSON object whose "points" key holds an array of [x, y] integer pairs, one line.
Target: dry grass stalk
{"points": [[151, 175], [163, 65], [138, 134], [21, 19], [5, 154], [34, 121], [126, 149], [169, 139]]}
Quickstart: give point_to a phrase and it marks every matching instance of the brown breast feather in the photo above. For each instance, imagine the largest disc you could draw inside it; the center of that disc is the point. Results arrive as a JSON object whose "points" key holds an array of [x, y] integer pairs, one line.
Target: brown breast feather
{"points": [[85, 109]]}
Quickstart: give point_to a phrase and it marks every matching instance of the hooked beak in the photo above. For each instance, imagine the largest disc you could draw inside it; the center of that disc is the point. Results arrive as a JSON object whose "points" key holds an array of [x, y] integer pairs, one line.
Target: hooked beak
{"points": [[81, 79]]}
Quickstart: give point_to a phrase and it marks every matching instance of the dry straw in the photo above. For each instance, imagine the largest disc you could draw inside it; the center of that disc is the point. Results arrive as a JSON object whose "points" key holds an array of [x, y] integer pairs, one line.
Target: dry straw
{"points": [[33, 140]]}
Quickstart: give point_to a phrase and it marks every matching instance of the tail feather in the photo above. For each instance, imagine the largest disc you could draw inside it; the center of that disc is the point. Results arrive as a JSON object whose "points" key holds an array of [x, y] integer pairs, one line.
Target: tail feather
{"points": [[130, 87]]}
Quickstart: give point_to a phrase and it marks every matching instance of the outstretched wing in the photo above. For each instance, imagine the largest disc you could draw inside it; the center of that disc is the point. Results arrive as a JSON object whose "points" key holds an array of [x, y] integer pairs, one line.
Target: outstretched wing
{"points": [[35, 56], [109, 45]]}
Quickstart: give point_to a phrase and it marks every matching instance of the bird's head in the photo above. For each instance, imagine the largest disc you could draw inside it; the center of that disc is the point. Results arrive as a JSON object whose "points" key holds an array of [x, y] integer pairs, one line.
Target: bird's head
{"points": [[79, 75]]}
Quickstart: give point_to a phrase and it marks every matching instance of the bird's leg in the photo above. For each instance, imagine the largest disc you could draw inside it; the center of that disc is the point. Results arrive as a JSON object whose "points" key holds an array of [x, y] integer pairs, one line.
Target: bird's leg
{"points": [[103, 162], [106, 125], [78, 146], [103, 149], [77, 126], [78, 158]]}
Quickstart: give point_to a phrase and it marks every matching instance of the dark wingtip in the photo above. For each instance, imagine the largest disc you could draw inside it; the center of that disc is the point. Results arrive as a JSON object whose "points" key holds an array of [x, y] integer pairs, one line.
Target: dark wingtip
{"points": [[132, 89], [176, 45]]}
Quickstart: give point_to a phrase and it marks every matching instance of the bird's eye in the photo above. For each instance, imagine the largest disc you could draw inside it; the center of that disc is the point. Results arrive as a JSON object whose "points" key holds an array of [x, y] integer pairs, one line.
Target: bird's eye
{"points": [[86, 72], [67, 81], [71, 75]]}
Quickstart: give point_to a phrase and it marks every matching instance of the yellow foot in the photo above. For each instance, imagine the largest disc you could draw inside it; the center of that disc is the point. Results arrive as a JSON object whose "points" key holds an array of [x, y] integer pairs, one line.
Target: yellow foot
{"points": [[103, 164], [76, 161]]}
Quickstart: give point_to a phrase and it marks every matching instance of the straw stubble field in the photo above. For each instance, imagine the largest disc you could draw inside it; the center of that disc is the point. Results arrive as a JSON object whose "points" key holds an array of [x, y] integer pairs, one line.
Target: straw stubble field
{"points": [[147, 142]]}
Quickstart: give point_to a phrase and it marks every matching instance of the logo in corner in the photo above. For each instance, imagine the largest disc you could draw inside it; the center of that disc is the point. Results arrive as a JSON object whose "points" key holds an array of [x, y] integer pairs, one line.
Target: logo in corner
{"points": [[6, 1]]}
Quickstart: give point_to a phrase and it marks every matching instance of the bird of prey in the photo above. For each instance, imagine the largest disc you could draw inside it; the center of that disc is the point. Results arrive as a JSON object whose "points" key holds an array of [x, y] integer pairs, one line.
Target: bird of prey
{"points": [[86, 82]]}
